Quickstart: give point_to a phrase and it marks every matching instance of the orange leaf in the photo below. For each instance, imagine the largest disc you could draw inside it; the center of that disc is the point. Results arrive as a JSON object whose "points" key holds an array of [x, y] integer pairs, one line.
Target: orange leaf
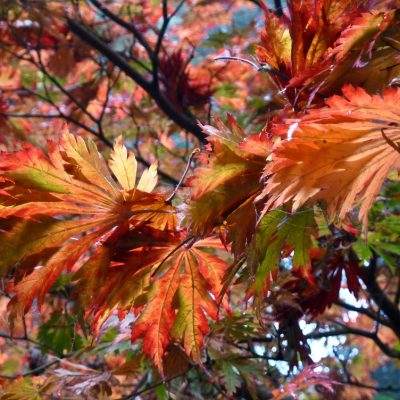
{"points": [[337, 155], [178, 302], [230, 174], [71, 202]]}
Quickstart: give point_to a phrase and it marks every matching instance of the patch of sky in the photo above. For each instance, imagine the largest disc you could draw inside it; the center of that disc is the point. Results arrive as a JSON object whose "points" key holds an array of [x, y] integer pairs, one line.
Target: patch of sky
{"points": [[287, 263], [321, 348], [179, 141], [122, 43], [244, 17], [202, 52], [324, 347], [220, 36]]}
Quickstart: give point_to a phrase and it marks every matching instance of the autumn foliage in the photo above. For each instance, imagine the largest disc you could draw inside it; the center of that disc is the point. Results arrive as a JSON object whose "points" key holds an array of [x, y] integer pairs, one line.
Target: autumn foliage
{"points": [[175, 220]]}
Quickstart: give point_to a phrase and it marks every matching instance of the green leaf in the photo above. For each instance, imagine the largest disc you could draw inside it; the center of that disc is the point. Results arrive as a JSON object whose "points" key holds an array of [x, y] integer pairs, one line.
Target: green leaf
{"points": [[362, 249], [391, 223], [58, 333], [110, 335], [276, 231], [231, 377], [161, 392], [390, 247]]}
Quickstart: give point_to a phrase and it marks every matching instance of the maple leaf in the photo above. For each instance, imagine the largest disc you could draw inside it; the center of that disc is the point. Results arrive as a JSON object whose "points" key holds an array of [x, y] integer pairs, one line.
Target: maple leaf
{"points": [[277, 44], [328, 281], [184, 88], [366, 27], [120, 271], [228, 177], [177, 303], [309, 376], [365, 54], [172, 306], [297, 42], [321, 45], [85, 382], [314, 26], [278, 231], [75, 204], [339, 154]]}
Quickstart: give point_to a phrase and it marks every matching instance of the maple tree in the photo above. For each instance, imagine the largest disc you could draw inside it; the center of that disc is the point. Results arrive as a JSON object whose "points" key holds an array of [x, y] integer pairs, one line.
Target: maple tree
{"points": [[198, 198]]}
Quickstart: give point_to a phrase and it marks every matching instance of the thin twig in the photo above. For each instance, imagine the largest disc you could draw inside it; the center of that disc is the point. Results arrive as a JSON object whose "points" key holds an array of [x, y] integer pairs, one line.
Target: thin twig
{"points": [[151, 387], [258, 67], [346, 330], [129, 27], [171, 197], [364, 311]]}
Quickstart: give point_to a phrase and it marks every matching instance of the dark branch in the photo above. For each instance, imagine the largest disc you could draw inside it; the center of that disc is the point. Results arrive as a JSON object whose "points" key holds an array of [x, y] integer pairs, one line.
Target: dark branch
{"points": [[129, 27], [161, 34], [393, 353], [388, 388], [365, 311], [278, 8], [136, 393], [388, 307], [33, 371], [351, 380], [96, 42]]}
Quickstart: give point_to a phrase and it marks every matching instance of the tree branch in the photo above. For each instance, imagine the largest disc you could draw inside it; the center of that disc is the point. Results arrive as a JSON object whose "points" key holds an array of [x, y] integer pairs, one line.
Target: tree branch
{"points": [[364, 311], [151, 387], [393, 353], [388, 307], [351, 380], [97, 43], [388, 388], [129, 27], [278, 8], [166, 20]]}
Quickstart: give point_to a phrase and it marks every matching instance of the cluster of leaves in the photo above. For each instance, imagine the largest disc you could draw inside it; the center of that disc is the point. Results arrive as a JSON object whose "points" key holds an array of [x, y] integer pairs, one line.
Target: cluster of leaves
{"points": [[282, 218], [126, 236]]}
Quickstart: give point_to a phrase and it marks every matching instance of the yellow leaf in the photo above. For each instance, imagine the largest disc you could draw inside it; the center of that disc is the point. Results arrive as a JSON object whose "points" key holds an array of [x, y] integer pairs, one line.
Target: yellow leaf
{"points": [[123, 165], [148, 180]]}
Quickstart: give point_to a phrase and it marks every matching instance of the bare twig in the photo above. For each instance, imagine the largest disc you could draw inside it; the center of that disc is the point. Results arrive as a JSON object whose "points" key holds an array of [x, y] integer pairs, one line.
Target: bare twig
{"points": [[129, 27], [136, 393], [388, 307], [257, 67], [171, 197], [365, 311], [346, 330]]}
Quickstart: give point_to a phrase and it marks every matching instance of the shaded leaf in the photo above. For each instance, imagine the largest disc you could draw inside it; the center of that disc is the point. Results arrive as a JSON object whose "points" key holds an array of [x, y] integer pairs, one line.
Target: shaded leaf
{"points": [[279, 232], [229, 175]]}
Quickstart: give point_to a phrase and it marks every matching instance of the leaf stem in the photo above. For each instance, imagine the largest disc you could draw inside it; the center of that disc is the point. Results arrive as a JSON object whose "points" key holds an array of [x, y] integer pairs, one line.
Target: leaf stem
{"points": [[257, 67], [173, 194]]}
